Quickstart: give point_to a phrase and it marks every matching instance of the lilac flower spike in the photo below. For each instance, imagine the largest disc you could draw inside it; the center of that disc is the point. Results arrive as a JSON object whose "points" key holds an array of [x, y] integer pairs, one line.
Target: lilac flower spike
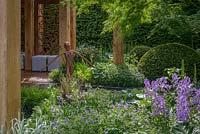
{"points": [[182, 109], [147, 88], [147, 83], [175, 77], [162, 81], [155, 86], [185, 96], [196, 100], [159, 107]]}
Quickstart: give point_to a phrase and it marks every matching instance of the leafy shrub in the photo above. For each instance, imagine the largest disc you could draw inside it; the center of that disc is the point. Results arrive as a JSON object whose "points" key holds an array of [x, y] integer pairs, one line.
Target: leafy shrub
{"points": [[139, 51], [116, 75], [89, 52], [56, 74], [82, 71], [33, 96], [92, 53], [130, 59], [153, 63]]}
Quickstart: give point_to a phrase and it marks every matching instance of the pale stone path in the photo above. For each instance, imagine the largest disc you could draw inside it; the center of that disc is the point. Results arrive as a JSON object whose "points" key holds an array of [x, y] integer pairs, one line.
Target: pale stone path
{"points": [[35, 78]]}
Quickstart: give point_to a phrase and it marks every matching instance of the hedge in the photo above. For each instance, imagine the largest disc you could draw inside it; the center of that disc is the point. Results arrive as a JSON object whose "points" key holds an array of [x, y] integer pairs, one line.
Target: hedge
{"points": [[155, 61]]}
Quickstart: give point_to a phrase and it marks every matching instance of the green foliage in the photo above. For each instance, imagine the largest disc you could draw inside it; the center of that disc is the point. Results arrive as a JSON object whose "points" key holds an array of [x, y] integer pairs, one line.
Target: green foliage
{"points": [[195, 74], [89, 28], [82, 72], [126, 13], [153, 63], [139, 51], [87, 115], [100, 111], [116, 75], [93, 53], [56, 74], [151, 22], [178, 28], [106, 74], [33, 96], [130, 59], [182, 69]]}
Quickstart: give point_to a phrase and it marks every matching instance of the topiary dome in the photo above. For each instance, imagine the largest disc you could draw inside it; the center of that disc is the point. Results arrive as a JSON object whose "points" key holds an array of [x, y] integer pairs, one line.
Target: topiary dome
{"points": [[153, 63]]}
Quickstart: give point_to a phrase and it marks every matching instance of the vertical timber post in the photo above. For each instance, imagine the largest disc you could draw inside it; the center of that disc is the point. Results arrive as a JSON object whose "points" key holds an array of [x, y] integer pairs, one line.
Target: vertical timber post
{"points": [[10, 92], [36, 8], [73, 25], [39, 48], [118, 46], [29, 33], [64, 25]]}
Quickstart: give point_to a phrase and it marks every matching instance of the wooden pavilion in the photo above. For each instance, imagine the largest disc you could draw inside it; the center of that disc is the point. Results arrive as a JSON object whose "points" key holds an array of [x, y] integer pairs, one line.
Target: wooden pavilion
{"points": [[10, 43]]}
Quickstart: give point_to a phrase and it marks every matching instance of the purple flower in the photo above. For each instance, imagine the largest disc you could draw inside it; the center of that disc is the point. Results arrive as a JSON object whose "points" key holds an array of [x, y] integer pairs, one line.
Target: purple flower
{"points": [[175, 77], [186, 82], [168, 87], [66, 120], [162, 81], [185, 87], [54, 123], [196, 99], [198, 108], [175, 80], [159, 107], [164, 86], [182, 108], [155, 87], [147, 83], [185, 94]]}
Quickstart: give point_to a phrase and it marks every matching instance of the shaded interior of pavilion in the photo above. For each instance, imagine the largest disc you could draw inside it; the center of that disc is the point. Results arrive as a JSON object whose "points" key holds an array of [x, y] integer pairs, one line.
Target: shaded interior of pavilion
{"points": [[45, 26]]}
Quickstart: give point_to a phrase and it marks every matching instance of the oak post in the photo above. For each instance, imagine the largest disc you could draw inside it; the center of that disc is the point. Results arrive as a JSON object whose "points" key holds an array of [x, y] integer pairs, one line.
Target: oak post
{"points": [[64, 25], [29, 33], [10, 92], [73, 25]]}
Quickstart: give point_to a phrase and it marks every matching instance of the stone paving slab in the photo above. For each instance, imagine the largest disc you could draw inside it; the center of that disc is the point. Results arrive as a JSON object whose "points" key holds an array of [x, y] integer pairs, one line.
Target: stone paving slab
{"points": [[36, 78]]}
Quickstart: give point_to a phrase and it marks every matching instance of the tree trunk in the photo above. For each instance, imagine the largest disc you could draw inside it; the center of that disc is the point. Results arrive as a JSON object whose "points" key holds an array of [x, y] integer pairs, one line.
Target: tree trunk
{"points": [[118, 46]]}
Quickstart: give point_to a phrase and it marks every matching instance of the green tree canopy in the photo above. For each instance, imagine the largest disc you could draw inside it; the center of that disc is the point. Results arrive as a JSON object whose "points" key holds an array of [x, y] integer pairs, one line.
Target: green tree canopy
{"points": [[169, 14]]}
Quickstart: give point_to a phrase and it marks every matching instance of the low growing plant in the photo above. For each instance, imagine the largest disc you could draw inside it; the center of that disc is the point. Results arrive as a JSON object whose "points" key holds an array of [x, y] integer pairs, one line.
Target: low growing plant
{"points": [[32, 96], [117, 75]]}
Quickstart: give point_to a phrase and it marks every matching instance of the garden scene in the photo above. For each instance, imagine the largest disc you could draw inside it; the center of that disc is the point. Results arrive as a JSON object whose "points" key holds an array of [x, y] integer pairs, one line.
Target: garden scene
{"points": [[127, 67]]}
